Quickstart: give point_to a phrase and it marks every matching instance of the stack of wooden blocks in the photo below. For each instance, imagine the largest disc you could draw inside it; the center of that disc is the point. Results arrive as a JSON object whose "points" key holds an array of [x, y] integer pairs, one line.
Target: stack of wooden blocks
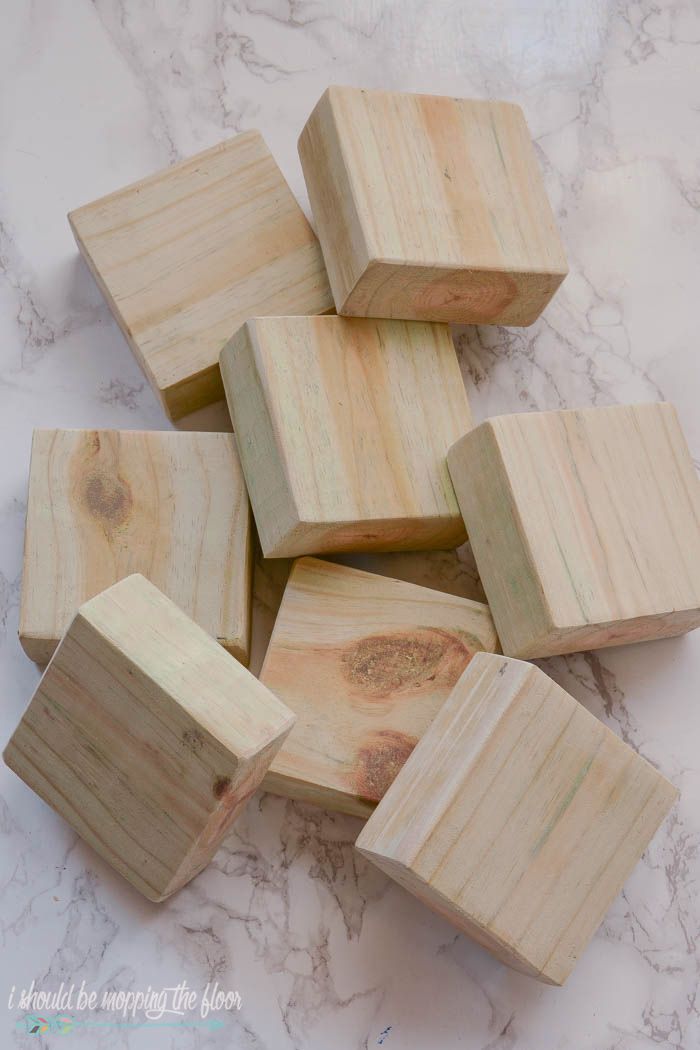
{"points": [[490, 793]]}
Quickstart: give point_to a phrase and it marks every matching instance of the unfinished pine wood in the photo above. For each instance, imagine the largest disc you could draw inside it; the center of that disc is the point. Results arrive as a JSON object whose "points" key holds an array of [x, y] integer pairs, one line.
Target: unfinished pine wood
{"points": [[585, 526], [186, 256], [430, 208], [343, 426], [365, 662], [146, 736], [103, 504], [518, 817]]}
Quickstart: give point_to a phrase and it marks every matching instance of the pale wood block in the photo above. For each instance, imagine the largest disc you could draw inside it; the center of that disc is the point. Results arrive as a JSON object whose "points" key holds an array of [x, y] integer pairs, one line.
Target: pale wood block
{"points": [[451, 572], [343, 426], [103, 504], [146, 736], [430, 208], [585, 526], [186, 256], [365, 662], [518, 817]]}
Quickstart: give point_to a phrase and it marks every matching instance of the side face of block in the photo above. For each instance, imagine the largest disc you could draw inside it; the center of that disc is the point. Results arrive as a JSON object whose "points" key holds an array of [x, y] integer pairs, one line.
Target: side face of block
{"points": [[343, 426], [146, 736], [186, 256], [518, 817], [365, 663], [585, 526], [104, 504], [430, 208]]}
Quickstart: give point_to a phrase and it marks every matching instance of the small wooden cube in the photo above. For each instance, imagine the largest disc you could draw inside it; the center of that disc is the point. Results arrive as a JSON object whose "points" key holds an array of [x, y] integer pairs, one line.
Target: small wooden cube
{"points": [[518, 817], [343, 426], [585, 526], [104, 504], [186, 256], [365, 663], [146, 736], [430, 208]]}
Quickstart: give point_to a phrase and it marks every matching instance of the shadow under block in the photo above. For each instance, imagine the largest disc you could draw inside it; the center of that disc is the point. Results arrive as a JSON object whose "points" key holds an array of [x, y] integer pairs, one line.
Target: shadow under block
{"points": [[365, 663], [146, 736], [186, 256], [585, 526], [103, 504], [430, 208], [343, 426], [518, 817]]}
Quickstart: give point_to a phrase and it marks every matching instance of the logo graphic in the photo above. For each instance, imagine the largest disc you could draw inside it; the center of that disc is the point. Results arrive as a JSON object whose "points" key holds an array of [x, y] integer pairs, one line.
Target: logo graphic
{"points": [[60, 1024]]}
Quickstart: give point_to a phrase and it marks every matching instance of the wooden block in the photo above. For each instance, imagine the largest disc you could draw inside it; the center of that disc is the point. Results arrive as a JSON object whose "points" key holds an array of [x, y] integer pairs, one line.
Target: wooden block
{"points": [[430, 208], [585, 526], [518, 817], [343, 426], [104, 504], [146, 736], [186, 256], [365, 662]]}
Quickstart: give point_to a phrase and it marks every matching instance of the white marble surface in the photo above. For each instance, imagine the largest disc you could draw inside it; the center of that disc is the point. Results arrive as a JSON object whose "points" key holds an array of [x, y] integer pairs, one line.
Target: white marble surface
{"points": [[324, 951]]}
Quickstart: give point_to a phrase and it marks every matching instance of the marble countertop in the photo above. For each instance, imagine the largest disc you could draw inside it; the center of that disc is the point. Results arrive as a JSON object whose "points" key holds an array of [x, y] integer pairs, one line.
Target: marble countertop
{"points": [[322, 949]]}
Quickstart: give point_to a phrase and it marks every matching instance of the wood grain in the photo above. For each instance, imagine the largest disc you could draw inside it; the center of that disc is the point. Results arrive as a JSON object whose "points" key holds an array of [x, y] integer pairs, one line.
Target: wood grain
{"points": [[585, 526], [186, 256], [103, 504], [451, 572], [430, 208], [343, 426], [365, 662], [518, 817], [146, 736]]}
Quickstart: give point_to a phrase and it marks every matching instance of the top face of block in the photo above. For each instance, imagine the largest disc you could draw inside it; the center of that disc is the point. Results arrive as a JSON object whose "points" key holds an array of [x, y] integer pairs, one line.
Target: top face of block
{"points": [[343, 426], [182, 660], [104, 504], [365, 663], [186, 256], [598, 526], [146, 736], [518, 816], [445, 191]]}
